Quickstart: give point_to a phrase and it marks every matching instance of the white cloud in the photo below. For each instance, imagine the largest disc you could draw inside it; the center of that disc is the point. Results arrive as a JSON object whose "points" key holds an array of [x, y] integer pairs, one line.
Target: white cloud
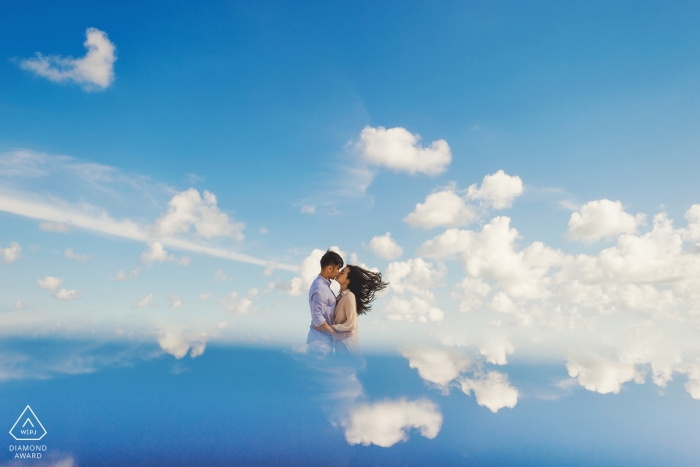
{"points": [[388, 422], [175, 302], [263, 231], [94, 71], [308, 209], [178, 344], [385, 247], [222, 325], [414, 275], [492, 390], [50, 282], [65, 294], [156, 254], [11, 253], [188, 211], [602, 219], [497, 191], [399, 150], [442, 209], [240, 306], [144, 302], [204, 297], [492, 255], [496, 351], [76, 256], [57, 227], [123, 276], [415, 309], [94, 180], [439, 366]]}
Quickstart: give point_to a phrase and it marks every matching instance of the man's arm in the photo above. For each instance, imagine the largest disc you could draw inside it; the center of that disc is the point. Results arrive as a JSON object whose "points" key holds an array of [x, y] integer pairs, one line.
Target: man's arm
{"points": [[325, 327]]}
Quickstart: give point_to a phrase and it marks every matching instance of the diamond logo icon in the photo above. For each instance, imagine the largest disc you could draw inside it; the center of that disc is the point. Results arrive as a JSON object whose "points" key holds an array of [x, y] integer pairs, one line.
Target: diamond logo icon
{"points": [[28, 427]]}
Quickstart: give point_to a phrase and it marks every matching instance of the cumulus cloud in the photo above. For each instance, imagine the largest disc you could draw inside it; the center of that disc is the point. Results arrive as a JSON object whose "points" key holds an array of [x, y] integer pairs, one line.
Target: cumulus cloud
{"points": [[602, 219], [442, 209], [156, 254], [144, 302], [50, 282], [497, 190], [233, 303], [388, 422], [384, 246], [400, 150], [190, 212], [308, 209], [65, 294], [70, 254], [94, 71], [11, 253], [492, 254], [438, 366], [415, 275], [175, 302], [178, 343], [414, 309], [492, 390], [124, 276]]}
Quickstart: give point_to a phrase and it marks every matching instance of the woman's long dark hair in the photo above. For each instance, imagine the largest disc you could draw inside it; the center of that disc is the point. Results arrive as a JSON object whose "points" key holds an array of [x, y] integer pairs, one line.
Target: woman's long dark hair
{"points": [[364, 284]]}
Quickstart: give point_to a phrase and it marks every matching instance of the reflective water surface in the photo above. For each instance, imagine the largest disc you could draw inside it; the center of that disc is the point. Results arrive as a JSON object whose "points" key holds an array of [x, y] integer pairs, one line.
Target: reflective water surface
{"points": [[118, 405]]}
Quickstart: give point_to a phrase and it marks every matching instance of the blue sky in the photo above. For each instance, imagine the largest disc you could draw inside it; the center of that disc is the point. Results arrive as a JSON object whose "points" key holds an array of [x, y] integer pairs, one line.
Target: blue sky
{"points": [[523, 175]]}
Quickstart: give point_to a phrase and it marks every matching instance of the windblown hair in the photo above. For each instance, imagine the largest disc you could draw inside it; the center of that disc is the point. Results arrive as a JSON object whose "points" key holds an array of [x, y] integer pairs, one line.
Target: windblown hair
{"points": [[364, 284]]}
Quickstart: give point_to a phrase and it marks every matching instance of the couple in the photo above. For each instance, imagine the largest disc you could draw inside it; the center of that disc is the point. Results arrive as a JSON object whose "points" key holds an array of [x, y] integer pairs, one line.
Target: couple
{"points": [[334, 319]]}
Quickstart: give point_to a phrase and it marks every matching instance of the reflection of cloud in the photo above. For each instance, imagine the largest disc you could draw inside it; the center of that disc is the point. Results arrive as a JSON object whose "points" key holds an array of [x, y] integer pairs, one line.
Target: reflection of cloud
{"points": [[603, 376], [43, 359], [444, 366], [49, 459], [439, 366], [388, 422], [492, 390], [178, 343]]}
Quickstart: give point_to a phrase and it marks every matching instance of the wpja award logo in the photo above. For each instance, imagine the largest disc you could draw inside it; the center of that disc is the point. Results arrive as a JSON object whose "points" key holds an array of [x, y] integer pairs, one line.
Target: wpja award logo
{"points": [[28, 428]]}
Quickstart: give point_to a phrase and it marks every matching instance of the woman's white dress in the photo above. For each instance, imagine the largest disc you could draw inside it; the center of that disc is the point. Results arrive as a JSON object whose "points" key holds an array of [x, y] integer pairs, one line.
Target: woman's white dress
{"points": [[346, 320]]}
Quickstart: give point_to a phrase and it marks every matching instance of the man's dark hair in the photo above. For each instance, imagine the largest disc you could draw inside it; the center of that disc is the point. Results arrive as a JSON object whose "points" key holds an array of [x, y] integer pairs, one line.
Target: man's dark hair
{"points": [[331, 258]]}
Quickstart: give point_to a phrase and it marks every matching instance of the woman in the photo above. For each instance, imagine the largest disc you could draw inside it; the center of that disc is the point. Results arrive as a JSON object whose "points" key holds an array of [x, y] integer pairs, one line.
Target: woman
{"points": [[357, 289]]}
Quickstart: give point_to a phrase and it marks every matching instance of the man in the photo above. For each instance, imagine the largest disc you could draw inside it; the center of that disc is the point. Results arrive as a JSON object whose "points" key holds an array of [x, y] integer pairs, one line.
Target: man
{"points": [[322, 303]]}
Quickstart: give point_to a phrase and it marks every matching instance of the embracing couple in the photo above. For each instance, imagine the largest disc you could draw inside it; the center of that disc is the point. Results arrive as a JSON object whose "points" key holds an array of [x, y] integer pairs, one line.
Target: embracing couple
{"points": [[334, 320]]}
